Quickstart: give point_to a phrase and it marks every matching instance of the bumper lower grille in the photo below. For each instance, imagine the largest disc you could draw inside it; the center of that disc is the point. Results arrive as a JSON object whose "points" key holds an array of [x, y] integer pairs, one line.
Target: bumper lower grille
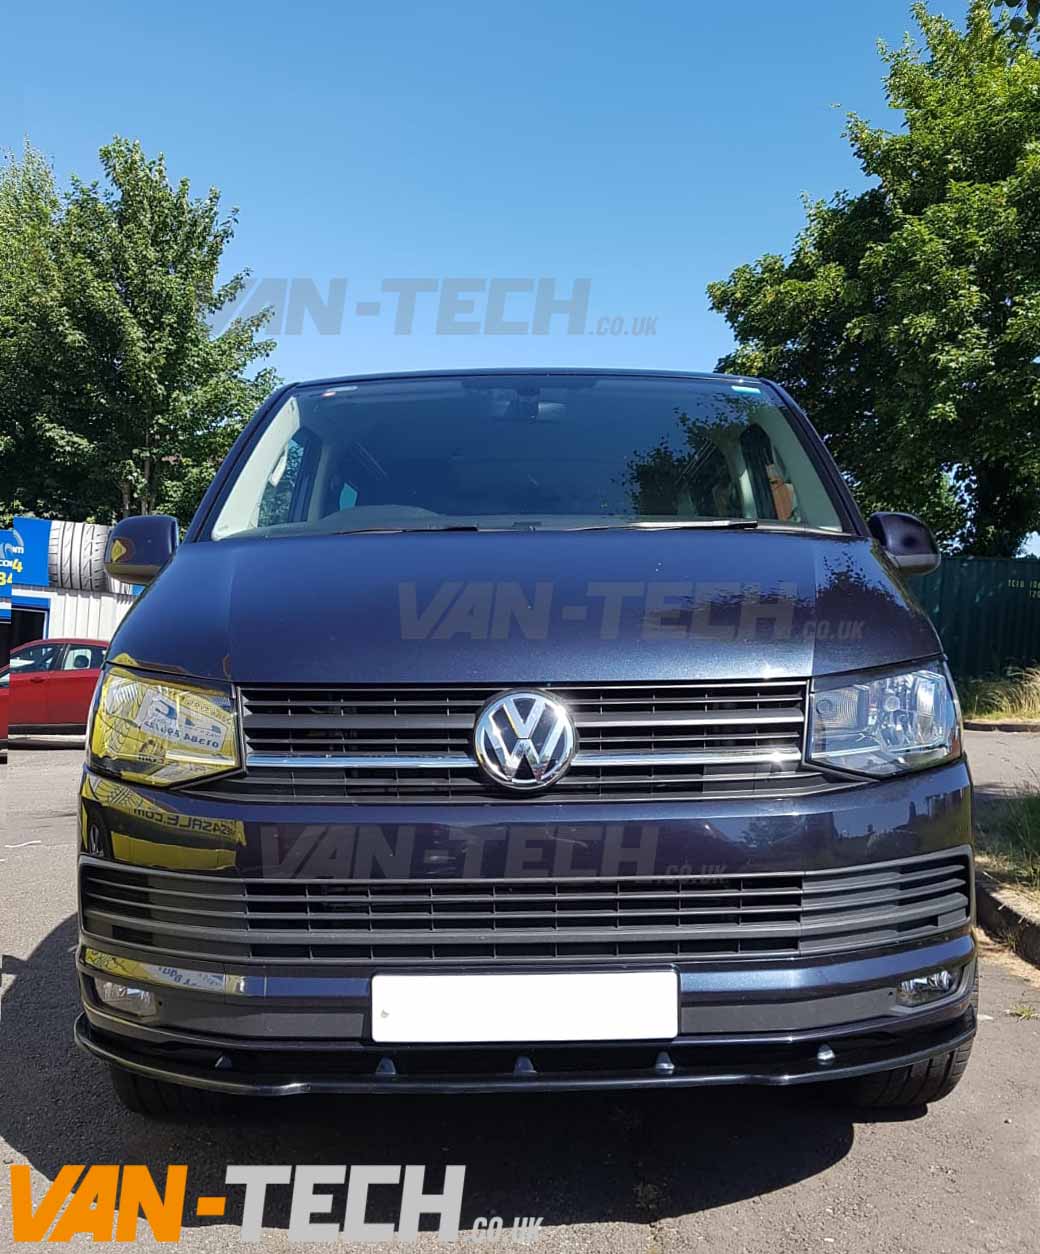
{"points": [[398, 923], [635, 742]]}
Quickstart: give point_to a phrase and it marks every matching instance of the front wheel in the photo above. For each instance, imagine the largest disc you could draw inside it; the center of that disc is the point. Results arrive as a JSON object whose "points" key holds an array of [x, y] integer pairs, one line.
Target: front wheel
{"points": [[157, 1099]]}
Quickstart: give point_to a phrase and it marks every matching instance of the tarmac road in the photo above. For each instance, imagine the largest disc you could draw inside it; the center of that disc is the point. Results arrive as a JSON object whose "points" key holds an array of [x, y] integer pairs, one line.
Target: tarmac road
{"points": [[719, 1171]]}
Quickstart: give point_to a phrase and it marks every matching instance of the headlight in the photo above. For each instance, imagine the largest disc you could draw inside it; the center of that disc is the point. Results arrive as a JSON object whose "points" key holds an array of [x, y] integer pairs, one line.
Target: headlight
{"points": [[888, 725], [155, 732]]}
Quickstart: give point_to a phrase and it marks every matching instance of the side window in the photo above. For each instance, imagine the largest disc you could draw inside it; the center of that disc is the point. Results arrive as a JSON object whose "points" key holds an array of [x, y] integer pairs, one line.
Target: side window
{"points": [[774, 493], [82, 657], [41, 657], [754, 444], [339, 493], [710, 490], [288, 485]]}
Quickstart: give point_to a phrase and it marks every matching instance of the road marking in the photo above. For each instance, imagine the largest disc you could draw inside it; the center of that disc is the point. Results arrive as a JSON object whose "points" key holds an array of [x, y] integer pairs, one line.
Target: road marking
{"points": [[24, 845]]}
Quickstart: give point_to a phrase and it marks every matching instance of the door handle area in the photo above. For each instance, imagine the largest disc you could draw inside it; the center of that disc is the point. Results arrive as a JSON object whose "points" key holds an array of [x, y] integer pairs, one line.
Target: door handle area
{"points": [[36, 679]]}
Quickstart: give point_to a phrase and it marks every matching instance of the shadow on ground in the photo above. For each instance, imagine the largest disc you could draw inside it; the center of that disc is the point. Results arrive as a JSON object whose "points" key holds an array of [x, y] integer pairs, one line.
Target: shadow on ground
{"points": [[575, 1158]]}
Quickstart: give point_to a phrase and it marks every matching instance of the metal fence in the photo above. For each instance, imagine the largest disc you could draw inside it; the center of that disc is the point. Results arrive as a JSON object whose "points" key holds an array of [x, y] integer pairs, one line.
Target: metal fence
{"points": [[987, 611]]}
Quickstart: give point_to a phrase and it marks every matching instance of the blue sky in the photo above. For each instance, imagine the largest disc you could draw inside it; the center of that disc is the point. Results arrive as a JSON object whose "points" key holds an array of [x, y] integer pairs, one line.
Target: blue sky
{"points": [[648, 149]]}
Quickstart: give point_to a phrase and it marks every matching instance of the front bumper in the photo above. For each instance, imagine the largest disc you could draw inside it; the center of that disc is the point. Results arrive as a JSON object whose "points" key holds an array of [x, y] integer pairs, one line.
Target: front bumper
{"points": [[736, 1027], [238, 1017], [681, 1063]]}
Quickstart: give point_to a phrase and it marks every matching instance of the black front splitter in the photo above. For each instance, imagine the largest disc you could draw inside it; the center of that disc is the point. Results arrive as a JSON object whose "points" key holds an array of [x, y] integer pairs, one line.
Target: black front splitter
{"points": [[773, 1066]]}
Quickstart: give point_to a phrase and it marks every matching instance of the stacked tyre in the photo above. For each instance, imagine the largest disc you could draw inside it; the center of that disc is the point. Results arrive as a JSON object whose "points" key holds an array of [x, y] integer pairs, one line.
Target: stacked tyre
{"points": [[76, 556]]}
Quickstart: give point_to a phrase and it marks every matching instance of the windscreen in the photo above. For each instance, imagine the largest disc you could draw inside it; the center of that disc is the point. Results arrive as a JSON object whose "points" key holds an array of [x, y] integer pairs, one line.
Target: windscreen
{"points": [[542, 451]]}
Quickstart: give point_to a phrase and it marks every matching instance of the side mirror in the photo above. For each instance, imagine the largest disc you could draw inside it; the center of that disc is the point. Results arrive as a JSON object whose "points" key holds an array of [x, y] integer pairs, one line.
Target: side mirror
{"points": [[907, 541], [139, 547]]}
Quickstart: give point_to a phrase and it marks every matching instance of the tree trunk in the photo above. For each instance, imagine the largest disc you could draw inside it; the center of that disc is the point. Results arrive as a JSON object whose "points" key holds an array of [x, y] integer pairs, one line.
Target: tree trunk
{"points": [[1003, 516]]}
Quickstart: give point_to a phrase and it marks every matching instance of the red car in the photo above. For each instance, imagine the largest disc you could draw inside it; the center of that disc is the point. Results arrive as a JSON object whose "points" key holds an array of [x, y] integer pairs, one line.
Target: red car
{"points": [[50, 683]]}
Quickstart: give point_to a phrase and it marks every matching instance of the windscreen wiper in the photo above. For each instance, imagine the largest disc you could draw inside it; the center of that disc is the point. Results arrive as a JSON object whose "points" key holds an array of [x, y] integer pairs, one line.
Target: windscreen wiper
{"points": [[681, 524], [397, 531]]}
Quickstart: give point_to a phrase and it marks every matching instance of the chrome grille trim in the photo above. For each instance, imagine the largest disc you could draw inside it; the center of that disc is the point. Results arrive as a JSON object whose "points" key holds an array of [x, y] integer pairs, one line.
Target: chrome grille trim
{"points": [[636, 741], [430, 761], [693, 719], [371, 761]]}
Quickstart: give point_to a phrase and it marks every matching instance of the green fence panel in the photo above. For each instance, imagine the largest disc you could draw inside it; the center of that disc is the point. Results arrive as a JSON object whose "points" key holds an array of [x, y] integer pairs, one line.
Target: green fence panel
{"points": [[987, 611]]}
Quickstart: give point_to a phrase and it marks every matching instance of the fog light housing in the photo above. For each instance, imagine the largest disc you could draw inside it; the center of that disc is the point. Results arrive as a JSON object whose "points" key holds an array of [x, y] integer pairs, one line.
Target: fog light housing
{"points": [[923, 989], [126, 997]]}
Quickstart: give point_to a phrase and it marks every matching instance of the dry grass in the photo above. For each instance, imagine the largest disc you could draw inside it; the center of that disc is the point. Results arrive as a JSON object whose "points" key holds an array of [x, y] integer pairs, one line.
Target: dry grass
{"points": [[1015, 695], [1008, 837]]}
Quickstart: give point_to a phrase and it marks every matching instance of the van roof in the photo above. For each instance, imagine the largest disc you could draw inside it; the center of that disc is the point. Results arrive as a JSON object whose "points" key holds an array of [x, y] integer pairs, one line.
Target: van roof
{"points": [[337, 380]]}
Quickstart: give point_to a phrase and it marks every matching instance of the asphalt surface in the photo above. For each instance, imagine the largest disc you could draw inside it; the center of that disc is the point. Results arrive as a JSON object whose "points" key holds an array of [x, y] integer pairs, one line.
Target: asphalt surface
{"points": [[718, 1171]]}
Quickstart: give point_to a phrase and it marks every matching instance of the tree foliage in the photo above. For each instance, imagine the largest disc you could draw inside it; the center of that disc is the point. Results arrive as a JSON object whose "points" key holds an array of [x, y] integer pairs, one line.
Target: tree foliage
{"points": [[117, 397], [1023, 16], [907, 318]]}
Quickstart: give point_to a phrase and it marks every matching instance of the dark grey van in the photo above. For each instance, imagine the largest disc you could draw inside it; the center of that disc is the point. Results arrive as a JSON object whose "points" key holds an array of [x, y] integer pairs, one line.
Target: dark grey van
{"points": [[541, 729]]}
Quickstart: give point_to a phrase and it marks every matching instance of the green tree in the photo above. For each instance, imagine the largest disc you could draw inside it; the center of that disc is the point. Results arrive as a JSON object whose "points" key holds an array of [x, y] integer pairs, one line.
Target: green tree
{"points": [[118, 398], [907, 318]]}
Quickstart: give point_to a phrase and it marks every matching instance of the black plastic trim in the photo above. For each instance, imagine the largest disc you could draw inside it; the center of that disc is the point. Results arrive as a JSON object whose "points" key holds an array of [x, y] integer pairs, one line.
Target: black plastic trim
{"points": [[784, 1067]]}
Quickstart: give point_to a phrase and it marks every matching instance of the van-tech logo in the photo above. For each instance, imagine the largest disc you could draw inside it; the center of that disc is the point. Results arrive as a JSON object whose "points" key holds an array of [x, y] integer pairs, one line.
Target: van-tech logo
{"points": [[111, 1203]]}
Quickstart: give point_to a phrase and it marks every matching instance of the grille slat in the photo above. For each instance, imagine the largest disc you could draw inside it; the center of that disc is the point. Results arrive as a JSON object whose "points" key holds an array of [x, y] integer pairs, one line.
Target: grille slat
{"points": [[720, 932], [675, 740], [454, 921], [310, 718]]}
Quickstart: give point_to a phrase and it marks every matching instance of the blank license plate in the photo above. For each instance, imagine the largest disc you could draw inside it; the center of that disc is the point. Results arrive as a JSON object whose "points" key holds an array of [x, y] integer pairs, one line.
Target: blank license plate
{"points": [[560, 1006]]}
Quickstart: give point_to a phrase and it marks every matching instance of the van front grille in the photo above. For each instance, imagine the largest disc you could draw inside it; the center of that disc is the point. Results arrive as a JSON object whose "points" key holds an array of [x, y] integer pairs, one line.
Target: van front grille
{"points": [[396, 922], [635, 741]]}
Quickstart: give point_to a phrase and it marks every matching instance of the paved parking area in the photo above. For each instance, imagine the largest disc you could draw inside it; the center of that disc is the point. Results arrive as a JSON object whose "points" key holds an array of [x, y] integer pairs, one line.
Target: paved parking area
{"points": [[715, 1171], [1003, 763]]}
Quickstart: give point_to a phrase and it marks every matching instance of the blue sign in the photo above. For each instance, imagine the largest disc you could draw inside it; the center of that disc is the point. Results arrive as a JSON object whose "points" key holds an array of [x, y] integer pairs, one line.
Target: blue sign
{"points": [[12, 556], [33, 537]]}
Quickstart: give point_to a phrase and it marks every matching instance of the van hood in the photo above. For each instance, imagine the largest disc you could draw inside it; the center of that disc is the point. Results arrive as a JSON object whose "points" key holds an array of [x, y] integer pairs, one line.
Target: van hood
{"points": [[524, 608]]}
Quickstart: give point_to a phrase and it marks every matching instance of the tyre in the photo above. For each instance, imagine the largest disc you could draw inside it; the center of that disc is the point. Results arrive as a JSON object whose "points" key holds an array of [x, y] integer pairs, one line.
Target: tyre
{"points": [[76, 557], [921, 1082], [158, 1100]]}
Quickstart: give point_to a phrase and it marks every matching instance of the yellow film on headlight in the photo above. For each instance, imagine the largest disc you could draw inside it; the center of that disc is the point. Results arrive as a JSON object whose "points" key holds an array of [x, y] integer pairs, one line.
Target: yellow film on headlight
{"points": [[157, 732]]}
